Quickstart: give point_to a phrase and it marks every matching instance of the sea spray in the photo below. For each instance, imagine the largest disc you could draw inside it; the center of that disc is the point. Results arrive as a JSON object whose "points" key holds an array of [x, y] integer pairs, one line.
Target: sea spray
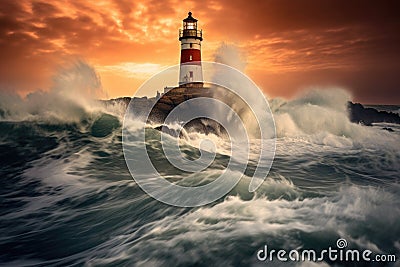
{"points": [[73, 96]]}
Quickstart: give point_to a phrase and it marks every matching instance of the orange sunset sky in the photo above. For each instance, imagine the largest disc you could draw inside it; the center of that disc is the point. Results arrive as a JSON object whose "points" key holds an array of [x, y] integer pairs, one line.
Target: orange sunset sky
{"points": [[288, 45]]}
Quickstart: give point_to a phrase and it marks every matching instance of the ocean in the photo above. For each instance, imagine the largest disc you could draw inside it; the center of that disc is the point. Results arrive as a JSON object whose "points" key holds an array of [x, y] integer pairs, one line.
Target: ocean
{"points": [[68, 199]]}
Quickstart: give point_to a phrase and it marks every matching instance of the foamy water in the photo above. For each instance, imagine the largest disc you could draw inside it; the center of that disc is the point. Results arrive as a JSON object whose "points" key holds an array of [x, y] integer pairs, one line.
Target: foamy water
{"points": [[68, 197]]}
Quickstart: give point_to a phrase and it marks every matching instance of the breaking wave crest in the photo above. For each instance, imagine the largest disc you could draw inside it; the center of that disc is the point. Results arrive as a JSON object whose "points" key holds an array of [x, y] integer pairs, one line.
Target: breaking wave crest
{"points": [[322, 117], [71, 99]]}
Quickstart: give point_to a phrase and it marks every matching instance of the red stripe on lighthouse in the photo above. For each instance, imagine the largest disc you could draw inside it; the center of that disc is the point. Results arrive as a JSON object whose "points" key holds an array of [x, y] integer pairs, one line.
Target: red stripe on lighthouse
{"points": [[190, 56]]}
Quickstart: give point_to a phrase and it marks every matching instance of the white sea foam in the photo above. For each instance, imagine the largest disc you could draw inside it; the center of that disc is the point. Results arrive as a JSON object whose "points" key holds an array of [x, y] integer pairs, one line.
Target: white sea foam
{"points": [[224, 225], [72, 96], [321, 117]]}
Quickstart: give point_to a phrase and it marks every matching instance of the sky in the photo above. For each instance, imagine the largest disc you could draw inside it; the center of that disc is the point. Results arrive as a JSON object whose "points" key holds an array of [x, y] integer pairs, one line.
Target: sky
{"points": [[288, 45]]}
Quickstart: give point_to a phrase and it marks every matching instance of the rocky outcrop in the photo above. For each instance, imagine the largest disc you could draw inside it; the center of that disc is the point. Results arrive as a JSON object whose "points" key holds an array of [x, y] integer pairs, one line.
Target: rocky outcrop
{"points": [[367, 116], [357, 112], [173, 98]]}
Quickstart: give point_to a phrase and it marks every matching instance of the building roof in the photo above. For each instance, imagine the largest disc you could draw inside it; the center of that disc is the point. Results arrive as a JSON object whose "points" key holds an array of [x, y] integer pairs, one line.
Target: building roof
{"points": [[190, 18]]}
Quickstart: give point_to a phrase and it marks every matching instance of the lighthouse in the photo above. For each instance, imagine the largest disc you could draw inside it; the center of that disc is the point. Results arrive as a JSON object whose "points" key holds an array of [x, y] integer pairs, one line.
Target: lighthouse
{"points": [[191, 73]]}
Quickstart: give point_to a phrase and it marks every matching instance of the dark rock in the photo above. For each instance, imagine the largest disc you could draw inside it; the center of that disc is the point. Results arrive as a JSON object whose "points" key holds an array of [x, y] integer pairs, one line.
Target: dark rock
{"points": [[169, 131], [388, 129], [173, 98], [205, 126], [359, 114]]}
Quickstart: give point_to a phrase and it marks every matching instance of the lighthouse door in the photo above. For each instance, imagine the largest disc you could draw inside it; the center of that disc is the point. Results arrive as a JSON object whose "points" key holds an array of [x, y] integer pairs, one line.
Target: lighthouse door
{"points": [[191, 76]]}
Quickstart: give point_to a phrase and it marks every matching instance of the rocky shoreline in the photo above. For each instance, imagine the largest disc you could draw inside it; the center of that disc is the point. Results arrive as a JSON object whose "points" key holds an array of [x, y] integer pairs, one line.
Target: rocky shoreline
{"points": [[164, 104]]}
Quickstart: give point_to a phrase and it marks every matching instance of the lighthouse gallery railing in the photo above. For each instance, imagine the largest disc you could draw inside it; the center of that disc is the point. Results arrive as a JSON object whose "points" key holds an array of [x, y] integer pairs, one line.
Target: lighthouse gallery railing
{"points": [[190, 33]]}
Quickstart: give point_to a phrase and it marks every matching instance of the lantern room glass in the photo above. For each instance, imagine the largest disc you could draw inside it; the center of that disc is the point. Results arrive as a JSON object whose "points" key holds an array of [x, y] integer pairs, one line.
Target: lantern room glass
{"points": [[190, 25]]}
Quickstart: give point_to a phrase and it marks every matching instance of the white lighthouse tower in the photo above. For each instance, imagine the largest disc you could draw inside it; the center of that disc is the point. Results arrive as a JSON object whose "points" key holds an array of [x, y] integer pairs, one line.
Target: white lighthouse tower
{"points": [[191, 74]]}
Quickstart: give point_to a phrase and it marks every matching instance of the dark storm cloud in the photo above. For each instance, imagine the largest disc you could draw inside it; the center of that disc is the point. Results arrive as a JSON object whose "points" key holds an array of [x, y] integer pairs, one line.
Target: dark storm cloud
{"points": [[348, 43], [272, 17]]}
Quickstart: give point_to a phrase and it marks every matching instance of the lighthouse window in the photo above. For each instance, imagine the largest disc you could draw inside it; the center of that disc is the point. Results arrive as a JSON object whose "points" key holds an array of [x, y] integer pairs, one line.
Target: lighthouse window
{"points": [[191, 45], [190, 57], [190, 25]]}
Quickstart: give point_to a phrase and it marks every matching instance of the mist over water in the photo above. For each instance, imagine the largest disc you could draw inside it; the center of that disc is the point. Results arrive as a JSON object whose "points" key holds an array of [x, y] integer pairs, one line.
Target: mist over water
{"points": [[68, 197]]}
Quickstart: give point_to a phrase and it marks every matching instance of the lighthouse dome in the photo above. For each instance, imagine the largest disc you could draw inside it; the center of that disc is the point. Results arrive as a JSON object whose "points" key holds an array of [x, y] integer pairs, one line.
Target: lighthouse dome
{"points": [[190, 18]]}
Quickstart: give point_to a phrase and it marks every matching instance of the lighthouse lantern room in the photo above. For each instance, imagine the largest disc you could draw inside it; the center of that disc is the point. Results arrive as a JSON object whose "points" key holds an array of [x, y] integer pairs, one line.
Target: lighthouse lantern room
{"points": [[191, 74]]}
